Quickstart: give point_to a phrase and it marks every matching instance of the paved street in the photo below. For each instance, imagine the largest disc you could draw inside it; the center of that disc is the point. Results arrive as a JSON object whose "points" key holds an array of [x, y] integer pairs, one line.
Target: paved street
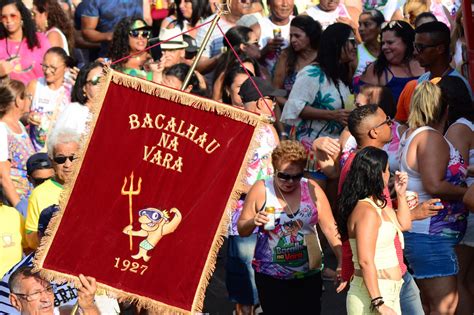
{"points": [[216, 302]]}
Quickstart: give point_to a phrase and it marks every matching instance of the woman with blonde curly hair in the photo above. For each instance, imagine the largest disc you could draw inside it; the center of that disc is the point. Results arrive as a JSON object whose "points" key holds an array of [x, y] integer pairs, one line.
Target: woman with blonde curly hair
{"points": [[286, 209], [51, 19], [436, 169]]}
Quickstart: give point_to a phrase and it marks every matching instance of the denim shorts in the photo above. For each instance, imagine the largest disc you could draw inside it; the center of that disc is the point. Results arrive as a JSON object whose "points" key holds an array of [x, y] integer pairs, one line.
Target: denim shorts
{"points": [[431, 256], [240, 276]]}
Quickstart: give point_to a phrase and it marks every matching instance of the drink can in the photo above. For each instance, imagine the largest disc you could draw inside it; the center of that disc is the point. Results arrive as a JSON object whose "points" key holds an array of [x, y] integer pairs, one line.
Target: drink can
{"points": [[277, 32], [412, 199], [270, 225]]}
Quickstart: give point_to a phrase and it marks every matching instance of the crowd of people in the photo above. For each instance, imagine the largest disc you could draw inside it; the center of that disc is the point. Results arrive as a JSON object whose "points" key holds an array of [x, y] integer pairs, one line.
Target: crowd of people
{"points": [[369, 149]]}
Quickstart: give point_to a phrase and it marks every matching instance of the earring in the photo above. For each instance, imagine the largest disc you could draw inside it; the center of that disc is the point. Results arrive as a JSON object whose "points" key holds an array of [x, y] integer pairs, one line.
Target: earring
{"points": [[46, 24]]}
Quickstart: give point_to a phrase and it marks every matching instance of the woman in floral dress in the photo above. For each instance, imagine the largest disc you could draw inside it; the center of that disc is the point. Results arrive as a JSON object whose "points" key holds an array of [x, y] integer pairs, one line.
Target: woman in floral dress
{"points": [[316, 105]]}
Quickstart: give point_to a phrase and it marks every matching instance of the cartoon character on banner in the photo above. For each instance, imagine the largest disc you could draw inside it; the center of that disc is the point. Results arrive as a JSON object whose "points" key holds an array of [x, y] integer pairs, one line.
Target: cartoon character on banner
{"points": [[154, 223]]}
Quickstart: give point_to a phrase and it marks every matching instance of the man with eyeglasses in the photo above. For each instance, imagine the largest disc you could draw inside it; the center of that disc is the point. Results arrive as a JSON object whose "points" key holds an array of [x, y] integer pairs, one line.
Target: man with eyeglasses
{"points": [[432, 50], [30, 294], [63, 146], [65, 294], [370, 126]]}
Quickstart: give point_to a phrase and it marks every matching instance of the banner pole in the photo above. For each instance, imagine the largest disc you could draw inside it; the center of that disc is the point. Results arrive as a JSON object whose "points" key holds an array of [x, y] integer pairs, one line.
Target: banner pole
{"points": [[203, 46]]}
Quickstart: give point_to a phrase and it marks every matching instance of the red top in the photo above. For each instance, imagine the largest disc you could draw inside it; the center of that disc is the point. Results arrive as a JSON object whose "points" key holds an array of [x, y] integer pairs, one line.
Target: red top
{"points": [[347, 265]]}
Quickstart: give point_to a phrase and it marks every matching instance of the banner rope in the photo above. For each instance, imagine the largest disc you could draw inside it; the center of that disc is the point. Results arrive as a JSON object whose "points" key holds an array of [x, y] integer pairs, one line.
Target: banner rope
{"points": [[161, 42], [228, 42], [246, 71]]}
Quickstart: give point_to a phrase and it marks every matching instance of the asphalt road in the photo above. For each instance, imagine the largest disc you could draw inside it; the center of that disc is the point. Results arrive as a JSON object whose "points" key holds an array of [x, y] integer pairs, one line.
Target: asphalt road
{"points": [[217, 303]]}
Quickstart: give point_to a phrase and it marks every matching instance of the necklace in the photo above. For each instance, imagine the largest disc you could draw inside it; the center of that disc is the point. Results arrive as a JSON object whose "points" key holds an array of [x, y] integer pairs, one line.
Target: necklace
{"points": [[10, 57], [287, 204]]}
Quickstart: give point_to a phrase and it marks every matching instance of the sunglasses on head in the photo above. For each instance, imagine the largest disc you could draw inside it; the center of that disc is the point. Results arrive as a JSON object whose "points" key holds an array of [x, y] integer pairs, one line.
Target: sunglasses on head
{"points": [[287, 177], [63, 159], [142, 33]]}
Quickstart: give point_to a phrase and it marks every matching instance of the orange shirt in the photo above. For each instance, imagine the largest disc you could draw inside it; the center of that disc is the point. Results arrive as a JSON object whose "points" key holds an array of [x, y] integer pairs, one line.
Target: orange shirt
{"points": [[403, 105]]}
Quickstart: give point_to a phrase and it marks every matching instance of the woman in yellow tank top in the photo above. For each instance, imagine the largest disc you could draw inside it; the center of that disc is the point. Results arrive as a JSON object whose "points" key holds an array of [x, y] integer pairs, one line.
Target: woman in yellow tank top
{"points": [[368, 220]]}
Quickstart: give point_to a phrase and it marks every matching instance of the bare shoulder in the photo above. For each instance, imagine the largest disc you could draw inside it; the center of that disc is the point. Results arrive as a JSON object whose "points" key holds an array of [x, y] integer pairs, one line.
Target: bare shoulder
{"points": [[369, 76]]}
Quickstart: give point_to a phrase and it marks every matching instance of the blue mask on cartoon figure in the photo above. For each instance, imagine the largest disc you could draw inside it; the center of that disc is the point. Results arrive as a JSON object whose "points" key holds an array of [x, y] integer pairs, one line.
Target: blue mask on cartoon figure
{"points": [[154, 215]]}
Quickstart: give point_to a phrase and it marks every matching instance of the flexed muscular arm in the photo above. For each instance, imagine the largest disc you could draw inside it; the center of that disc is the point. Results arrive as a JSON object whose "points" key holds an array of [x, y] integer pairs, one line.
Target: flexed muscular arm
{"points": [[173, 224]]}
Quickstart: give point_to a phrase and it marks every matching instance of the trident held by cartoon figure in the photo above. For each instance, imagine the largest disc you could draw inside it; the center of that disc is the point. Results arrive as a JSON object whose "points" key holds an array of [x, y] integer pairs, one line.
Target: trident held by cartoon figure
{"points": [[130, 193]]}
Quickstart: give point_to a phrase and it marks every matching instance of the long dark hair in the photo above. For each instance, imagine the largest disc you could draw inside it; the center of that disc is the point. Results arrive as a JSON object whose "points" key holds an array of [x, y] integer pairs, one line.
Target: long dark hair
{"points": [[77, 94], [333, 40], [312, 29], [180, 71], [201, 10], [456, 94], [403, 30], [365, 179], [120, 46], [57, 18], [229, 78], [236, 35], [28, 27], [234, 63]]}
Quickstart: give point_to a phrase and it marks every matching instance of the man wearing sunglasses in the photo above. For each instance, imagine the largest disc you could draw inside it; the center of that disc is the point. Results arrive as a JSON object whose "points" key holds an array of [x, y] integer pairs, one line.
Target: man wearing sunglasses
{"points": [[63, 145], [432, 50]]}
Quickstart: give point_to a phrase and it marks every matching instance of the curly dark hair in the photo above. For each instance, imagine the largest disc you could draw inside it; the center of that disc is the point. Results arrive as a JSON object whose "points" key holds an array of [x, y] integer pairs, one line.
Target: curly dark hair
{"points": [[120, 46], [364, 179], [201, 10], [28, 28], [333, 40], [312, 29], [57, 18], [403, 30], [77, 94]]}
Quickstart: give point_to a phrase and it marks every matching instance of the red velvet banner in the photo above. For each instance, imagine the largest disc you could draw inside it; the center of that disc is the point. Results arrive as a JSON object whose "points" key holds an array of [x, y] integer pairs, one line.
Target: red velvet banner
{"points": [[169, 168]]}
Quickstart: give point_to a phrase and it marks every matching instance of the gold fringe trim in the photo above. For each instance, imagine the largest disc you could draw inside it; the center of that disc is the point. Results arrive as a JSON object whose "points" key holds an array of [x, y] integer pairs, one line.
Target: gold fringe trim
{"points": [[238, 188], [52, 228], [186, 99]]}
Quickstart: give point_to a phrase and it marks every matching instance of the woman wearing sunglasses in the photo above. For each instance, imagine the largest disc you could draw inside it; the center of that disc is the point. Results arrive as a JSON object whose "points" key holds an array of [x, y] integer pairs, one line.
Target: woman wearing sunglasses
{"points": [[131, 37], [15, 145], [287, 258], [76, 115], [51, 94], [371, 226], [21, 48]]}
